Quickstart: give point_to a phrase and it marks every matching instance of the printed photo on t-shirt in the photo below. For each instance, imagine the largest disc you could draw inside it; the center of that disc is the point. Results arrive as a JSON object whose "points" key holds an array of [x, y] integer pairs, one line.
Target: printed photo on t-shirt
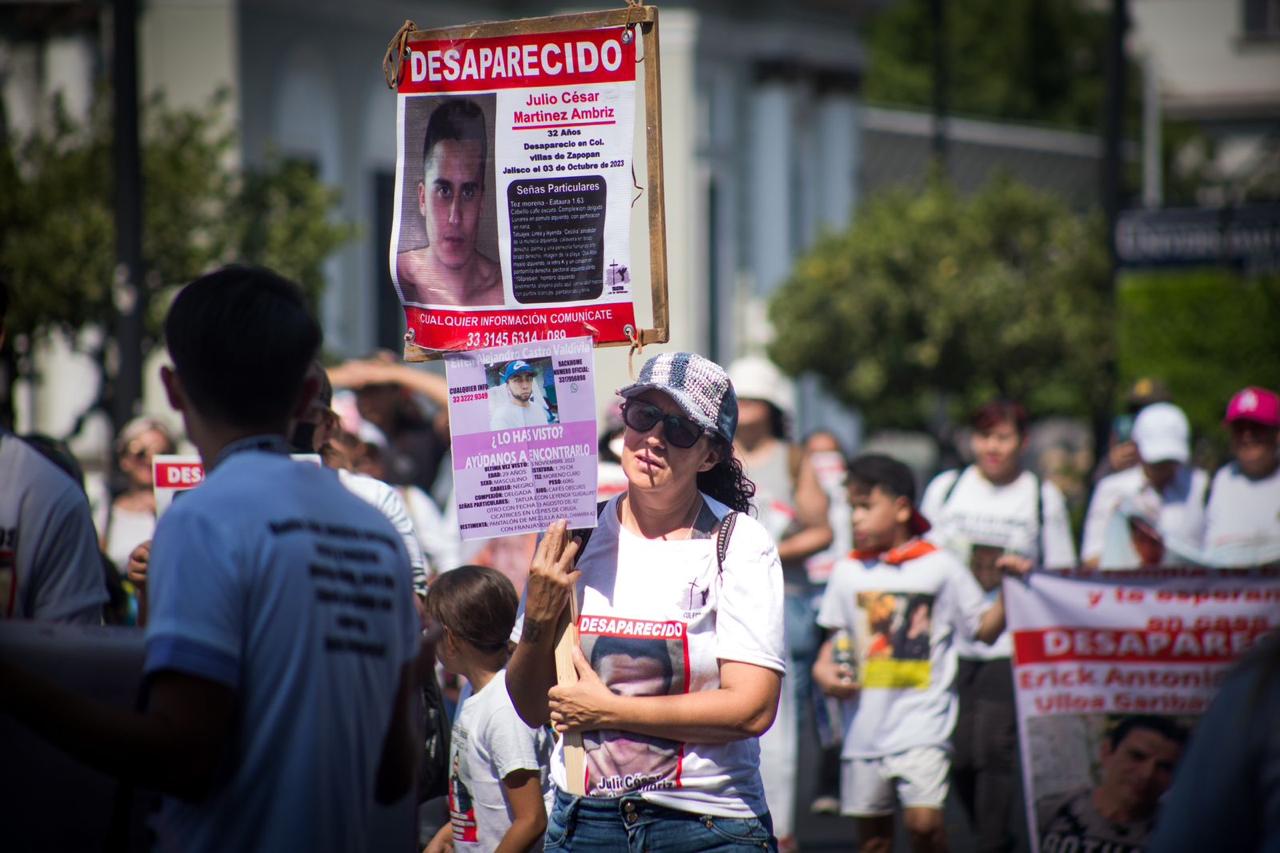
{"points": [[462, 808], [894, 638], [634, 658]]}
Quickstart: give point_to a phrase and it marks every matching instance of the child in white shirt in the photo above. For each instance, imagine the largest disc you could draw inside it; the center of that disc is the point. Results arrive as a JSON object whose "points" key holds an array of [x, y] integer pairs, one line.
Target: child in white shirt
{"points": [[497, 778], [905, 602]]}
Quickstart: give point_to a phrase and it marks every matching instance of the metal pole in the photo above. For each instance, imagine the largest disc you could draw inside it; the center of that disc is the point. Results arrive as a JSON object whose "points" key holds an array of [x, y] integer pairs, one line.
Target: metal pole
{"points": [[937, 14], [1113, 132], [1152, 166], [128, 290]]}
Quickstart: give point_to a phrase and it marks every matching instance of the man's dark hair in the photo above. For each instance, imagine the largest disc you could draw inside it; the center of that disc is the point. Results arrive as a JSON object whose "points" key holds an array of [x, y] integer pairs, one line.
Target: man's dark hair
{"points": [[995, 412], [459, 120], [241, 340], [875, 470], [1164, 726]]}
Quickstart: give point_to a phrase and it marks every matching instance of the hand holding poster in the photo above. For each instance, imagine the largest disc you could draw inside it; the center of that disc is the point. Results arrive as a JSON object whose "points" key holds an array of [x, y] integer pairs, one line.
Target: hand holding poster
{"points": [[1111, 673], [524, 437], [514, 188]]}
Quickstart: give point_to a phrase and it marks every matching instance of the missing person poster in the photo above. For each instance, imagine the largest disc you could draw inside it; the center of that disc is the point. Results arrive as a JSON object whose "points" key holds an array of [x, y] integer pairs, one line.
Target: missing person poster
{"points": [[514, 189], [523, 427], [1111, 673], [171, 476]]}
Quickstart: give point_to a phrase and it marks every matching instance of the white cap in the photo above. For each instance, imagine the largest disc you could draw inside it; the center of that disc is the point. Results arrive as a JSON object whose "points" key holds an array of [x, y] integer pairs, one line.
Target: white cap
{"points": [[756, 378], [1162, 434]]}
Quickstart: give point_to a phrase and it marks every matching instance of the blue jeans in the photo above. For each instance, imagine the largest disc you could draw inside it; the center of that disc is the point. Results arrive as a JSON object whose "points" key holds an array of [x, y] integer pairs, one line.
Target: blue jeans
{"points": [[630, 824]]}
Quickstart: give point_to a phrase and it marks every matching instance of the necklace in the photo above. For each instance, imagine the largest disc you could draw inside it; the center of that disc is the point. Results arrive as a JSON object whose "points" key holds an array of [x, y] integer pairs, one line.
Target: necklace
{"points": [[686, 525]]}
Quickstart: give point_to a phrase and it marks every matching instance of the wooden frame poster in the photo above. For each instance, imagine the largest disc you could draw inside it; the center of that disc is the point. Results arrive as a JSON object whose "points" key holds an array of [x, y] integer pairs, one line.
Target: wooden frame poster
{"points": [[515, 181]]}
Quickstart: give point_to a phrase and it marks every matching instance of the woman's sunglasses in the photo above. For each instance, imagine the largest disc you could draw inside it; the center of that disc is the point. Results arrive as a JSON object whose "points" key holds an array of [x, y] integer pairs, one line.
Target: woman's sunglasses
{"points": [[680, 431]]}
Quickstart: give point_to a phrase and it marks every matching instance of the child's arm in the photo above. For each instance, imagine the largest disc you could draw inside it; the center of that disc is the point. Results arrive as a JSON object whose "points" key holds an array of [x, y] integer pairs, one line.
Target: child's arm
{"points": [[832, 678], [442, 841], [523, 791]]}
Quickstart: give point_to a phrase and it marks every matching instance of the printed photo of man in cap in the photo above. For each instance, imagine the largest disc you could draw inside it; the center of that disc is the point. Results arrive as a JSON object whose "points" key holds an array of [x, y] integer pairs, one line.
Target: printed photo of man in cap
{"points": [[516, 401]]}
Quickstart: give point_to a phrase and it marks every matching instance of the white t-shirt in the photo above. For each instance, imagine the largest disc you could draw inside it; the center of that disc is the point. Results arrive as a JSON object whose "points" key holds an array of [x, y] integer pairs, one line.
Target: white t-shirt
{"points": [[274, 580], [504, 413], [490, 742], [386, 500], [126, 529], [1178, 511], [981, 520], [656, 618], [1242, 520], [50, 567], [904, 610]]}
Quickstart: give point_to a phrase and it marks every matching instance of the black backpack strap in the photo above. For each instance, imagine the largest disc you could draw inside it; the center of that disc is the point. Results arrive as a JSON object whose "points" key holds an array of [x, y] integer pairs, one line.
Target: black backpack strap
{"points": [[722, 539], [1039, 513], [951, 488]]}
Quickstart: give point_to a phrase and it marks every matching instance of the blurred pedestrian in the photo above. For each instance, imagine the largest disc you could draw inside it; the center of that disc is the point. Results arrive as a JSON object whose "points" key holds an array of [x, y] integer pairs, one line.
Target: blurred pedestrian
{"points": [[389, 397], [282, 638], [49, 563], [792, 506], [1242, 524], [1122, 452], [1152, 514], [993, 515], [130, 517]]}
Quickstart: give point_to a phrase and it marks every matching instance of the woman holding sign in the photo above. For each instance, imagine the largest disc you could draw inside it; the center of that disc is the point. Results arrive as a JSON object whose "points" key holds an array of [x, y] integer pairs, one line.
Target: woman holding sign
{"points": [[680, 655]]}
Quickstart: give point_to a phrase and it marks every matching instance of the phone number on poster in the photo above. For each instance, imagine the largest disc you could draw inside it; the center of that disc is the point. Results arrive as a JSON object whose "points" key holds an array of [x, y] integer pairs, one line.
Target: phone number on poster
{"points": [[502, 339]]}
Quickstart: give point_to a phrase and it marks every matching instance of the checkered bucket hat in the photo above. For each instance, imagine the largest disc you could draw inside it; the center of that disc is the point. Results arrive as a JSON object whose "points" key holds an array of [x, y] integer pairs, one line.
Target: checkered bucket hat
{"points": [[699, 386]]}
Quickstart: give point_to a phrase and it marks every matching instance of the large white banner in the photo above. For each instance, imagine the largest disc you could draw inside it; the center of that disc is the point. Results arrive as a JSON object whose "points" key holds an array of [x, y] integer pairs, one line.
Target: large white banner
{"points": [[1111, 672]]}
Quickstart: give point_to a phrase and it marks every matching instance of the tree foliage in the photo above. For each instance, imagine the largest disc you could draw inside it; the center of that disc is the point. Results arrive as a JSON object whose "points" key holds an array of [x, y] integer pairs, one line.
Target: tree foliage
{"points": [[1206, 333], [931, 303], [57, 221], [1032, 60]]}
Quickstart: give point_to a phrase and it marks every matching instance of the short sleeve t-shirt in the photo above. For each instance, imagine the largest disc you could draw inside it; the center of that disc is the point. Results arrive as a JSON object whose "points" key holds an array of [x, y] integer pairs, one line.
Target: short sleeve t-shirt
{"points": [[274, 580], [1070, 823], [656, 618], [50, 567], [1242, 520], [490, 742], [904, 610], [978, 521]]}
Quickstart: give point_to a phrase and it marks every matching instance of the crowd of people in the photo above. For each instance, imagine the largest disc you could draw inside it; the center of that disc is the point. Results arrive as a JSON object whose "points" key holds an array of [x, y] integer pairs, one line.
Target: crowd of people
{"points": [[716, 603]]}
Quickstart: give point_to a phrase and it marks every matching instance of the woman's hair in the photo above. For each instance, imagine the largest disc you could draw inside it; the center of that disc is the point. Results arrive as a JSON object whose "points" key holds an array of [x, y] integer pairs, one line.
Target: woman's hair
{"points": [[476, 604], [726, 482], [139, 427]]}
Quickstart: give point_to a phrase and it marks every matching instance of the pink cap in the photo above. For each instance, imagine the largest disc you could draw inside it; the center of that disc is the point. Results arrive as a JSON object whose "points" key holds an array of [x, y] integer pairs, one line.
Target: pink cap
{"points": [[1256, 405]]}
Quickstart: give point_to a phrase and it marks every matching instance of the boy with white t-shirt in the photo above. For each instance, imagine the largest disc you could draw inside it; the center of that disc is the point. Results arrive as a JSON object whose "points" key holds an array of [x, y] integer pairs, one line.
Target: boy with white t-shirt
{"points": [[1242, 519], [905, 602]]}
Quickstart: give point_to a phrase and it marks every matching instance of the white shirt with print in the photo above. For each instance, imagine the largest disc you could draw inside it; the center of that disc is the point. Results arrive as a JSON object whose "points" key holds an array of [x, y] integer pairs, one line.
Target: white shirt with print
{"points": [[657, 617], [489, 743], [1242, 524], [979, 513], [905, 611]]}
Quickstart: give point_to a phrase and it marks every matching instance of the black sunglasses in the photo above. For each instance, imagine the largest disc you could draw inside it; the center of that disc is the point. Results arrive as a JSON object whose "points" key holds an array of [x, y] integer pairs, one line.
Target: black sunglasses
{"points": [[680, 431]]}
